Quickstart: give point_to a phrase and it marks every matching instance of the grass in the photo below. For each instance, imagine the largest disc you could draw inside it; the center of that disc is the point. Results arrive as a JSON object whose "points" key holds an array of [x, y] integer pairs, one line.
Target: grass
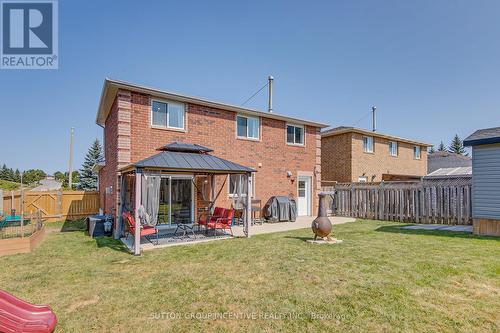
{"points": [[7, 185], [382, 278]]}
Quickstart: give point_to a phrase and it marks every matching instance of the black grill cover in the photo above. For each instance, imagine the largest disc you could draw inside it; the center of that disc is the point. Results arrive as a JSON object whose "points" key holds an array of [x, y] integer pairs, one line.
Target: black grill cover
{"points": [[279, 209]]}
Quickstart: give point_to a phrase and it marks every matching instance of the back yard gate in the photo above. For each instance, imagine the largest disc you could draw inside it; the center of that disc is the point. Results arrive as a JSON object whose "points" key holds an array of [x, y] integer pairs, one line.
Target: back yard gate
{"points": [[428, 201]]}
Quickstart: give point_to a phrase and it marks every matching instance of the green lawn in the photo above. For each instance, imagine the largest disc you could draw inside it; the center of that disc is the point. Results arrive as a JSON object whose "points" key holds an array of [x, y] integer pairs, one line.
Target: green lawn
{"points": [[381, 278]]}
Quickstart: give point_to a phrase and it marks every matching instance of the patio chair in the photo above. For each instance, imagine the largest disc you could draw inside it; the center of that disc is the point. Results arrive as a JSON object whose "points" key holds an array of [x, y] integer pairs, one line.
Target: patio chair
{"points": [[146, 230], [206, 218], [223, 223]]}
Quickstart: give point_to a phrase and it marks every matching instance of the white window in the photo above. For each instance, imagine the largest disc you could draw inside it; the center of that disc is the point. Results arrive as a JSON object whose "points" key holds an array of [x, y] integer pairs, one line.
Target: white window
{"points": [[167, 114], [247, 127], [416, 152], [363, 179], [368, 144], [239, 184], [295, 134], [393, 148]]}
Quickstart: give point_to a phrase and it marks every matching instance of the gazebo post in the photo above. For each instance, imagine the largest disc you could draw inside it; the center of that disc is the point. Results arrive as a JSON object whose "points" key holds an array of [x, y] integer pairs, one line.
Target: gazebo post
{"points": [[248, 214], [138, 199]]}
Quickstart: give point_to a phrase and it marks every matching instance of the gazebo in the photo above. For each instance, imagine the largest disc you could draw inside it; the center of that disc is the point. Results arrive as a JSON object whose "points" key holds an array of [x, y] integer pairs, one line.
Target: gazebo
{"points": [[175, 184]]}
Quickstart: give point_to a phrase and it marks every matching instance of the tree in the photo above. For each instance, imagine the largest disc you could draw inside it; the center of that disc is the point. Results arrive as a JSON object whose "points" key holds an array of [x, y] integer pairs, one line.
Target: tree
{"points": [[4, 172], [17, 176], [33, 176], [432, 150], [457, 146], [88, 180], [441, 147], [64, 178]]}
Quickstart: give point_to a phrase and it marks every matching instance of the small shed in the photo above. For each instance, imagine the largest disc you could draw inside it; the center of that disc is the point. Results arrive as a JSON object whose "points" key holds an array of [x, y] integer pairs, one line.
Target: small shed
{"points": [[485, 145]]}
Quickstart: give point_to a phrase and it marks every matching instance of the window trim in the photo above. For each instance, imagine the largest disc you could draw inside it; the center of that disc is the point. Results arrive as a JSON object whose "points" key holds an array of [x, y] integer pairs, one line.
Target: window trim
{"points": [[303, 133], [397, 148], [373, 144], [419, 153], [166, 101], [248, 137]]}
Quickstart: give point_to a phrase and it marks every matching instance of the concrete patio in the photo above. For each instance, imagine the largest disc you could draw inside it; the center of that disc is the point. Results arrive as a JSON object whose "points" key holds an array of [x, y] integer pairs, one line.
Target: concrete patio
{"points": [[168, 239], [442, 227]]}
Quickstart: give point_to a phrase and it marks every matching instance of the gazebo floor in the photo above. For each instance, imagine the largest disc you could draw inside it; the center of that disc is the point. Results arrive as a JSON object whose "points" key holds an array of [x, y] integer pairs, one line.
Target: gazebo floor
{"points": [[167, 238]]}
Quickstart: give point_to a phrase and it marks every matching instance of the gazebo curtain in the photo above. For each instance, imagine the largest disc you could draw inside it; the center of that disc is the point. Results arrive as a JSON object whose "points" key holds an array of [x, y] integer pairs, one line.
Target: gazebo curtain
{"points": [[151, 196]]}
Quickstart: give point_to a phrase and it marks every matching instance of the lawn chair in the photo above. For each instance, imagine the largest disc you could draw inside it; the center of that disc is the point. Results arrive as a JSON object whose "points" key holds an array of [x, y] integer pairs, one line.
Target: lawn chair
{"points": [[206, 218], [223, 223], [146, 230], [17, 315], [257, 211]]}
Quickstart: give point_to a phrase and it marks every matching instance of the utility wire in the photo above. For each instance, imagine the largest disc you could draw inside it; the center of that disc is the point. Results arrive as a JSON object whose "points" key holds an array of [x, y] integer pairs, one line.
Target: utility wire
{"points": [[363, 117], [258, 91]]}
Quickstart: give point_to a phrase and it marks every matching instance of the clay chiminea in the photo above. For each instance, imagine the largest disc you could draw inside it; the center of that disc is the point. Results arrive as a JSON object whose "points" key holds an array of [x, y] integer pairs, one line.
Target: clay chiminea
{"points": [[321, 226]]}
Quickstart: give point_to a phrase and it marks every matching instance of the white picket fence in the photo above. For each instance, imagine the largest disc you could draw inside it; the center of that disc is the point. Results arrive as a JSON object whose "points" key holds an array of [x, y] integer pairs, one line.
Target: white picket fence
{"points": [[447, 202]]}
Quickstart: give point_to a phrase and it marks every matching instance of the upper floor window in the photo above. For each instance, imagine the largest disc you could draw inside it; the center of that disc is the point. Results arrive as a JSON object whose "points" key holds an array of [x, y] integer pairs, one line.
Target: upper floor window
{"points": [[167, 114], [247, 127], [295, 134], [368, 144], [416, 152], [393, 148]]}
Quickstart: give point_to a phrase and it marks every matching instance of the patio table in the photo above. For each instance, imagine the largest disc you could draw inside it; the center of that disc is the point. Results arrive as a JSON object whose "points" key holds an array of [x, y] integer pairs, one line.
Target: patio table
{"points": [[186, 228]]}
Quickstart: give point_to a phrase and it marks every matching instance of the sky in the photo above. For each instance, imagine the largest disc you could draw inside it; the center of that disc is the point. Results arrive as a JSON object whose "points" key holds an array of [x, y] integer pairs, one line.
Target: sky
{"points": [[432, 68]]}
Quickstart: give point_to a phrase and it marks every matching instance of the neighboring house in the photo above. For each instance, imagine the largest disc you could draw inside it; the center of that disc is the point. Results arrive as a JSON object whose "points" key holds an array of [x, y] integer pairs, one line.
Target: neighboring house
{"points": [[48, 184], [448, 173], [138, 121], [485, 145], [446, 159], [350, 154]]}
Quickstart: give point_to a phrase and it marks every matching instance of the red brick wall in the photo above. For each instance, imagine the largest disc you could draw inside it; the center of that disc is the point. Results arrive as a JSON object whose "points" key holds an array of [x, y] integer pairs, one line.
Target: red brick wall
{"points": [[216, 129], [108, 174]]}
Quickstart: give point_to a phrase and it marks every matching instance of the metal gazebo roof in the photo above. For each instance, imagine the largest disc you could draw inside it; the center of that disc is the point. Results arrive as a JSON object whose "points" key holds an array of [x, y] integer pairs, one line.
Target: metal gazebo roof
{"points": [[187, 161]]}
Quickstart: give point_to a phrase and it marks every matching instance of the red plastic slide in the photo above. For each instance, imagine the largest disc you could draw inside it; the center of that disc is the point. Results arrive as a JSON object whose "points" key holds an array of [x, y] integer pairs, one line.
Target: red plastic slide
{"points": [[19, 316]]}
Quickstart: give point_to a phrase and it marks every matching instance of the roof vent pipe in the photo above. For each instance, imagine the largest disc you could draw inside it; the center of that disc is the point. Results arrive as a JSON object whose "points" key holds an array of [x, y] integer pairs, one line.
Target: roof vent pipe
{"points": [[270, 108], [374, 118]]}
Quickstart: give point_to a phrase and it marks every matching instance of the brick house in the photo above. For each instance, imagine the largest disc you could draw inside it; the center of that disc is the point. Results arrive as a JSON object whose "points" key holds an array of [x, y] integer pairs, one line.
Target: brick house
{"points": [[350, 154], [285, 152]]}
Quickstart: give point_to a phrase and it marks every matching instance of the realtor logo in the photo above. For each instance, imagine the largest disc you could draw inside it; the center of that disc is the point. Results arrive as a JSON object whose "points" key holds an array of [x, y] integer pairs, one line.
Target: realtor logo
{"points": [[29, 35]]}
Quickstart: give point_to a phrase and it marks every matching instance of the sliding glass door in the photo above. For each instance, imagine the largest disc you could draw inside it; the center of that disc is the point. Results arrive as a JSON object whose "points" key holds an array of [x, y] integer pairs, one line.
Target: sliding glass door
{"points": [[176, 200]]}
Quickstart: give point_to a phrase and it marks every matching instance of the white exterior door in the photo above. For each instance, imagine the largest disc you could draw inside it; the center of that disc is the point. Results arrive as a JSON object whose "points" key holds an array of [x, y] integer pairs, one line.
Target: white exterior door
{"points": [[304, 196]]}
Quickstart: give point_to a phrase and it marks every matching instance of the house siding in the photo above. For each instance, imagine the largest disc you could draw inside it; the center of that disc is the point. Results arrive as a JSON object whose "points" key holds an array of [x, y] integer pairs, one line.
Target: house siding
{"points": [[216, 129], [486, 181]]}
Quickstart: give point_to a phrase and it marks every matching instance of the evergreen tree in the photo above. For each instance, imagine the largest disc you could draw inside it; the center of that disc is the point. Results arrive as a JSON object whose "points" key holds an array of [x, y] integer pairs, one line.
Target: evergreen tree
{"points": [[4, 172], [88, 180], [457, 146], [17, 176], [441, 147]]}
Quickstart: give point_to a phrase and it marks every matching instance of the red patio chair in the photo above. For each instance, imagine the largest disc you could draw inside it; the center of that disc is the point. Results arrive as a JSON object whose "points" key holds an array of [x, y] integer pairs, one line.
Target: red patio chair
{"points": [[17, 315], [146, 230], [223, 223], [206, 218]]}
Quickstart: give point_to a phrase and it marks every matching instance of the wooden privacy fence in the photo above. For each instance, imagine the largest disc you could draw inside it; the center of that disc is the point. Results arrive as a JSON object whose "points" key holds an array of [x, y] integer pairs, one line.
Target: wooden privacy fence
{"points": [[447, 202], [53, 205]]}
